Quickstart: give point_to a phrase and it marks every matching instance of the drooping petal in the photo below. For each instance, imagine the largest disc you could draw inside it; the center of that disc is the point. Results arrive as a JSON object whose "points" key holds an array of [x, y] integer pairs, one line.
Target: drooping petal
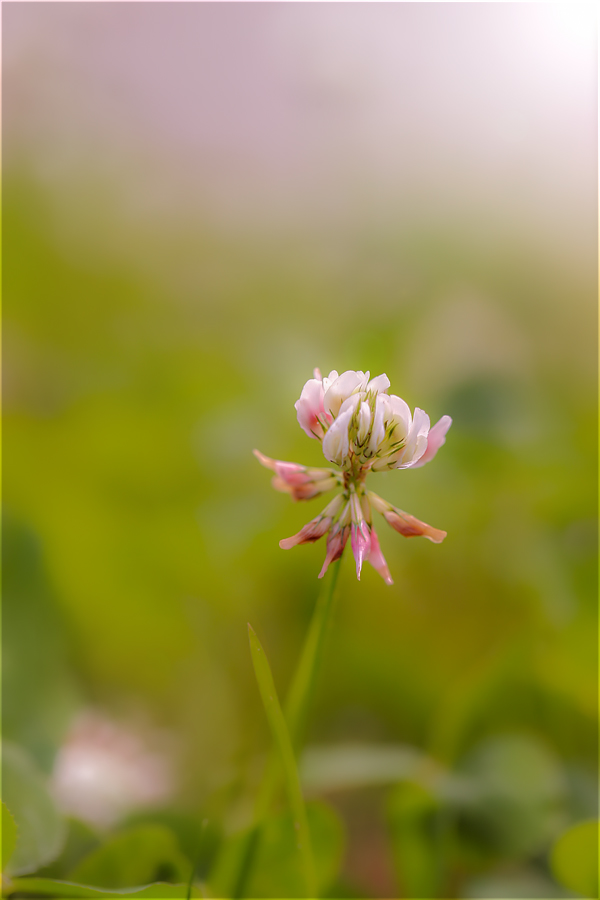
{"points": [[360, 534], [306, 491], [317, 527], [336, 539], [403, 522], [409, 526], [435, 440], [293, 473], [377, 559], [300, 482]]}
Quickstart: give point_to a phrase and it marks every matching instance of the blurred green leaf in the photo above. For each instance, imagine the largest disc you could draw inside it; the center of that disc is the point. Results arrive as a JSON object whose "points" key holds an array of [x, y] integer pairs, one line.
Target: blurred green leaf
{"points": [[574, 859], [80, 840], [353, 765], [48, 887], [198, 838], [277, 869], [519, 795], [43, 695], [511, 884], [137, 856], [9, 835], [283, 742], [41, 830], [414, 814]]}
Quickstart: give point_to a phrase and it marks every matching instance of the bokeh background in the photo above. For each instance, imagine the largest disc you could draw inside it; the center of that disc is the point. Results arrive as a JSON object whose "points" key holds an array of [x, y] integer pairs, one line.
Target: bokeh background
{"points": [[201, 203]]}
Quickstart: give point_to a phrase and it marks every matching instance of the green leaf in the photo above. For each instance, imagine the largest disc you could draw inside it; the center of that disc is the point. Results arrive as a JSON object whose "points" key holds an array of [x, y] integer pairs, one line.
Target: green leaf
{"points": [[41, 693], [9, 835], [525, 881], [414, 814], [282, 740], [48, 887], [352, 765], [519, 796], [41, 831], [277, 869], [137, 856], [574, 859], [81, 839]]}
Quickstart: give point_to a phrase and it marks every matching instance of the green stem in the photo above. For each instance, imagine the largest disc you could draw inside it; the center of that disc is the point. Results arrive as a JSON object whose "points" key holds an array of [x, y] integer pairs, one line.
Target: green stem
{"points": [[296, 712]]}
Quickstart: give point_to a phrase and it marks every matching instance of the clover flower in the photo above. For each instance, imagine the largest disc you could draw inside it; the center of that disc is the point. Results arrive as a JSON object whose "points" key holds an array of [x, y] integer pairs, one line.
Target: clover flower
{"points": [[362, 429], [105, 770]]}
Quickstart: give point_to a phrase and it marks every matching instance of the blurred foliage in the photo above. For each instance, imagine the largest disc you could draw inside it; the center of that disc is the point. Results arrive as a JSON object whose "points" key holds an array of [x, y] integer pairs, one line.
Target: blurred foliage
{"points": [[143, 362], [40, 830], [575, 859], [137, 856]]}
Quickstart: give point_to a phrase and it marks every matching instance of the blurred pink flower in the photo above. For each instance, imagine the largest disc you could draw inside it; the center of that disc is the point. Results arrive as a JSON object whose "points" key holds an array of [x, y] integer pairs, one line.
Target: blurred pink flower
{"points": [[105, 770], [361, 429]]}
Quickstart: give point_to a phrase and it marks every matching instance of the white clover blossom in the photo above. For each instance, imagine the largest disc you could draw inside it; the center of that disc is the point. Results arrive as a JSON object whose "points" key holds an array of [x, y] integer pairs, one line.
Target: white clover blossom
{"points": [[362, 428]]}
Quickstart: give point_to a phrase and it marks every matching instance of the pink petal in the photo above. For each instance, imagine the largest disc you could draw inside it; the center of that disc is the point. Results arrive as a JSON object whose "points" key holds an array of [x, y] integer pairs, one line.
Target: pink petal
{"points": [[377, 559], [360, 539], [435, 440], [336, 541], [310, 409], [305, 491], [409, 526], [311, 532], [292, 473], [297, 480]]}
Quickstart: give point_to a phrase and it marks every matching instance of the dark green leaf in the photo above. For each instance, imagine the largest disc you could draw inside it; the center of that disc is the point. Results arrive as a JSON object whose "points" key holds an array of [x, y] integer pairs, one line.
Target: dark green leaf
{"points": [[277, 869], [137, 856]]}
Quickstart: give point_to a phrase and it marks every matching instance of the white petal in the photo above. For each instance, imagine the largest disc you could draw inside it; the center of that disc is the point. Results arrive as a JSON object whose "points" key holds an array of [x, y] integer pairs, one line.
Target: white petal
{"points": [[335, 442], [378, 432], [400, 412], [364, 423], [380, 384], [343, 386], [435, 440], [328, 381], [416, 442]]}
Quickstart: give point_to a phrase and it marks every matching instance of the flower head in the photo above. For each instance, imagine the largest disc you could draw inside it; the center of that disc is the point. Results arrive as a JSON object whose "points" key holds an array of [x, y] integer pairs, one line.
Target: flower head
{"points": [[362, 428]]}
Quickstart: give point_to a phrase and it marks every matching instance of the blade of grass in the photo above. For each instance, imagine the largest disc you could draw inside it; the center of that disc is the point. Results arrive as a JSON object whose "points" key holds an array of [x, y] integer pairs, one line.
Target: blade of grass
{"points": [[296, 712], [283, 742], [303, 684], [300, 694]]}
